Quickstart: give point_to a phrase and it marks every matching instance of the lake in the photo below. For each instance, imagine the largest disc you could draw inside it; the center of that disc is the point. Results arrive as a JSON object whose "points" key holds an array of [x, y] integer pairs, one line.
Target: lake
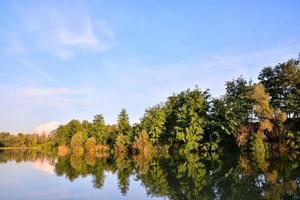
{"points": [[35, 175]]}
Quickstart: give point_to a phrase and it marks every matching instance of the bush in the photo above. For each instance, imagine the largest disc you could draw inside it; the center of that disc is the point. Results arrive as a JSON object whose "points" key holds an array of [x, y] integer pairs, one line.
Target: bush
{"points": [[143, 144], [76, 144], [90, 145], [63, 150], [121, 145]]}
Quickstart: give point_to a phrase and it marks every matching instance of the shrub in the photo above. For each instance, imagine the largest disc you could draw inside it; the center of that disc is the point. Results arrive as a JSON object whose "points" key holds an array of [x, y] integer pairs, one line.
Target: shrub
{"points": [[63, 150], [143, 144], [121, 145], [90, 145]]}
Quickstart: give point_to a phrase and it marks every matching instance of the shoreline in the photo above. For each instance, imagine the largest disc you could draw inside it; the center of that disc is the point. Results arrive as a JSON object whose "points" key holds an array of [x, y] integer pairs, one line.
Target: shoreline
{"points": [[17, 148]]}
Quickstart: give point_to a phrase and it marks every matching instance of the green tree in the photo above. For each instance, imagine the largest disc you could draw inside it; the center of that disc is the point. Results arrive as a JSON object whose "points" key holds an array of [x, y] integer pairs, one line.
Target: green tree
{"points": [[153, 122], [123, 124], [282, 82], [99, 130], [77, 143], [185, 118], [222, 127], [238, 101], [64, 133]]}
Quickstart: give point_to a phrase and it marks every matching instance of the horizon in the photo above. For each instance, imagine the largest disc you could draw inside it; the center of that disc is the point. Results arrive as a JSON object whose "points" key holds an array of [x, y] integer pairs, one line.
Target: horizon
{"points": [[63, 61]]}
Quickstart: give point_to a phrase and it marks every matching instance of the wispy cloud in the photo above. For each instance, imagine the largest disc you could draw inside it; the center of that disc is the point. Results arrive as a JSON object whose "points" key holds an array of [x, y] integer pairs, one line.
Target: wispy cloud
{"points": [[208, 71], [164, 11], [45, 96], [15, 46], [64, 29], [55, 97], [36, 69], [23, 107]]}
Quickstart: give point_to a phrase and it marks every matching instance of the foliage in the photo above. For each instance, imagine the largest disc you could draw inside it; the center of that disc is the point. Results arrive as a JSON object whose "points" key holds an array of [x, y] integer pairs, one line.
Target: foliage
{"points": [[153, 122], [77, 143], [238, 102], [90, 145], [98, 130], [123, 124], [185, 118], [122, 143], [259, 150], [143, 144], [63, 150], [282, 82], [25, 140], [64, 133]]}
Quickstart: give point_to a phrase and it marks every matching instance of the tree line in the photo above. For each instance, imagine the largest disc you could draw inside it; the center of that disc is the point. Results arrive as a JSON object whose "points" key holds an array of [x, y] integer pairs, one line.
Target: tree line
{"points": [[258, 117], [22, 140]]}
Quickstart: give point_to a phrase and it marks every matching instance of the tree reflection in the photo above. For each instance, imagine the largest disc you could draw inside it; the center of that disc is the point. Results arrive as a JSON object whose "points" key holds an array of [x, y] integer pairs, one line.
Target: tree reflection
{"points": [[190, 176]]}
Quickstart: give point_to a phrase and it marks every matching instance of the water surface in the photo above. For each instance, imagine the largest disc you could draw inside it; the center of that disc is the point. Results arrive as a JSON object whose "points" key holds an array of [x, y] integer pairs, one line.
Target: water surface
{"points": [[34, 175]]}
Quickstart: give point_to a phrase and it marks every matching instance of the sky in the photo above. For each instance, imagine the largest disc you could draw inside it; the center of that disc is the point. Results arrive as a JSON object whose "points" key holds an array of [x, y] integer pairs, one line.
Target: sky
{"points": [[63, 60]]}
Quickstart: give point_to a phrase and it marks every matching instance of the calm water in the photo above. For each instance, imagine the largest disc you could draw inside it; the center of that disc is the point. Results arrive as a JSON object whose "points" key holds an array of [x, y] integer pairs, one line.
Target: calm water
{"points": [[32, 175]]}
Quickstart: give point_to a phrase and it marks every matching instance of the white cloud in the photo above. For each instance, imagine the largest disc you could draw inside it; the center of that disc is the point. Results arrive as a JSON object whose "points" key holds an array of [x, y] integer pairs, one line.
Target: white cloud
{"points": [[64, 29], [46, 128]]}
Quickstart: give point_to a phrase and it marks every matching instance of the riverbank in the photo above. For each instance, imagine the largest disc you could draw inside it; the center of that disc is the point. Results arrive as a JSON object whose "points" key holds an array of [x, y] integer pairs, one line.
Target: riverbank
{"points": [[19, 148]]}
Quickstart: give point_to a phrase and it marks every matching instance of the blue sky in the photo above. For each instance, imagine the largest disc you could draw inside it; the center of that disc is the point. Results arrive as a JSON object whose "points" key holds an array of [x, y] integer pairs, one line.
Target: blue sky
{"points": [[73, 59]]}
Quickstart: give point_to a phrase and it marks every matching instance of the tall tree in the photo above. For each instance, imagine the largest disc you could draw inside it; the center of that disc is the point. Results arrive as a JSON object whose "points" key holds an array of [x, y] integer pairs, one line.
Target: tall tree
{"points": [[185, 118], [238, 100], [222, 126], [270, 120], [153, 122], [99, 130], [263, 109], [282, 82], [123, 124]]}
